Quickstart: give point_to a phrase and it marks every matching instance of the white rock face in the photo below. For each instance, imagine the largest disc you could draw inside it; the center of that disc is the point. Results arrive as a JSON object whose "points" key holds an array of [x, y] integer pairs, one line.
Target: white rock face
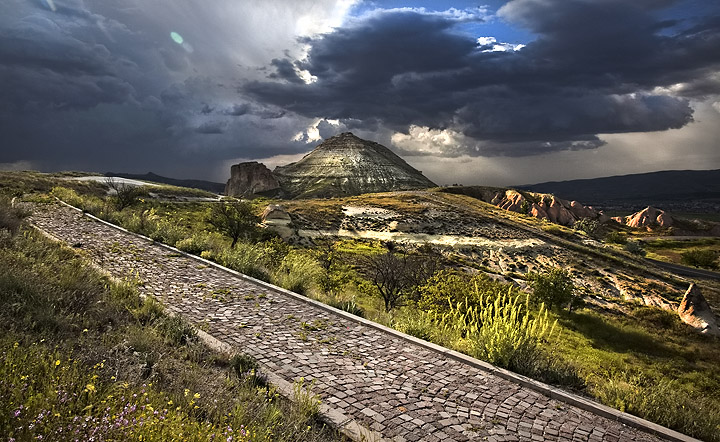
{"points": [[347, 165]]}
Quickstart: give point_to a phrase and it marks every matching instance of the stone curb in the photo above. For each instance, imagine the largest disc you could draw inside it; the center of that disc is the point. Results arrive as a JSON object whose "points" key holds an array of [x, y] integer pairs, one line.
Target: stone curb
{"points": [[548, 390]]}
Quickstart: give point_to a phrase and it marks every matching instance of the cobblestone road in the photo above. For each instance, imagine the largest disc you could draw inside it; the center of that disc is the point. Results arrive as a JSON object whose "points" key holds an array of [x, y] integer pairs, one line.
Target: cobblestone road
{"points": [[402, 390]]}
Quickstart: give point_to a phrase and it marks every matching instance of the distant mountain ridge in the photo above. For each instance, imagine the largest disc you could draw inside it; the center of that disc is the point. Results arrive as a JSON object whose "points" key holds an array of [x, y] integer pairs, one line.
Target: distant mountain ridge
{"points": [[197, 184], [673, 189]]}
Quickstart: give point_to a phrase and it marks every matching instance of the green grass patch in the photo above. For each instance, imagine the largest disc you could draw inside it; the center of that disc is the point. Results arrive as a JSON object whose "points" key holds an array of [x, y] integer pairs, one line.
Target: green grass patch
{"points": [[84, 357]]}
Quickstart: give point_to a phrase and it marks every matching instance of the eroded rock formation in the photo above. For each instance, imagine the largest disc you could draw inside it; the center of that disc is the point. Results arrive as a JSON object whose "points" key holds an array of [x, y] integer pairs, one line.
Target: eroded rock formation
{"points": [[250, 178], [347, 165], [649, 218], [695, 310], [539, 205]]}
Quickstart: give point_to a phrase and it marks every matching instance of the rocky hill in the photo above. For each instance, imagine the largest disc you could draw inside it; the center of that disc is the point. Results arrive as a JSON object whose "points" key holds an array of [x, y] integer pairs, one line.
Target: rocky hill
{"points": [[347, 165], [652, 219], [538, 205]]}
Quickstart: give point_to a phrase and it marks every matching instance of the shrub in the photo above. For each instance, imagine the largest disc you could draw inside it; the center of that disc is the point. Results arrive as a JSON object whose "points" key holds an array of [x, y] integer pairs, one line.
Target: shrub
{"points": [[243, 365], [635, 248], [450, 287], [176, 330], [11, 215], [665, 402], [418, 324], [348, 306], [297, 272], [234, 219], [554, 287], [67, 195], [200, 242], [587, 225], [124, 195], [244, 258], [501, 331], [167, 232], [700, 258], [616, 238]]}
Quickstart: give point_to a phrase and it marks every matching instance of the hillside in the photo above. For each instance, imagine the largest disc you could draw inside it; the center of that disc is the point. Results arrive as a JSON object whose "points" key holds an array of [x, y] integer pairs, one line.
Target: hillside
{"points": [[675, 190], [347, 165], [196, 184]]}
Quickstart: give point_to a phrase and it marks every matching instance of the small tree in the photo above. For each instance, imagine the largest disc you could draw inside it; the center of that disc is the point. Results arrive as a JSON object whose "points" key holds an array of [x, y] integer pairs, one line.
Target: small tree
{"points": [[554, 287], [700, 258], [125, 195], [387, 272], [234, 219], [587, 225], [635, 248]]}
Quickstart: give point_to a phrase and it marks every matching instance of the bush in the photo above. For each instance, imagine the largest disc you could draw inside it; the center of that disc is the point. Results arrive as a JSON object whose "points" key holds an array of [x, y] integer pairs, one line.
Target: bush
{"points": [[348, 306], [234, 219], [501, 331], [449, 288], [244, 365], [665, 402], [635, 248], [297, 272], [616, 238], [11, 215], [418, 324], [176, 330], [700, 258], [200, 242], [244, 258], [554, 287], [167, 232], [587, 225]]}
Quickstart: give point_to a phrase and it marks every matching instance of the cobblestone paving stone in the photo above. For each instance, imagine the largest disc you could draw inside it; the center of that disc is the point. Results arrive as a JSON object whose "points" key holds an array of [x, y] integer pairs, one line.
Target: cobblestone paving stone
{"points": [[402, 390]]}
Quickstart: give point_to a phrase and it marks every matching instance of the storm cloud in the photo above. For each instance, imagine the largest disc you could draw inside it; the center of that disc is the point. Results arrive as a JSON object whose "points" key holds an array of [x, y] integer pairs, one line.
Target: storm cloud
{"points": [[182, 88], [595, 67]]}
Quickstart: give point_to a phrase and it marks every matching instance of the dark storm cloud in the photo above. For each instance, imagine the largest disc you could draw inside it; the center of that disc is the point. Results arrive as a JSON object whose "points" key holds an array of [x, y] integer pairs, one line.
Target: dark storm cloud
{"points": [[594, 67], [80, 90], [211, 127]]}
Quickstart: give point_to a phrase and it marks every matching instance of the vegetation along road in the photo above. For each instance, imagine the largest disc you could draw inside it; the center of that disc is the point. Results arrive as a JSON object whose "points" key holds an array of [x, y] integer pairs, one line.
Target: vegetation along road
{"points": [[401, 390]]}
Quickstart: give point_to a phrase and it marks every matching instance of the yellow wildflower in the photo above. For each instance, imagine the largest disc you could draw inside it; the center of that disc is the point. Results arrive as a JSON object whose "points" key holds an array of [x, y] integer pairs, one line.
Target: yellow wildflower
{"points": [[57, 362]]}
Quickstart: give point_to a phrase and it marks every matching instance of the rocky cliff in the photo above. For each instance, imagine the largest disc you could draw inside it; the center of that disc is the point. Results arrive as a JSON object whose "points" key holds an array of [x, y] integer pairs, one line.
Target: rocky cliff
{"points": [[347, 165], [251, 178]]}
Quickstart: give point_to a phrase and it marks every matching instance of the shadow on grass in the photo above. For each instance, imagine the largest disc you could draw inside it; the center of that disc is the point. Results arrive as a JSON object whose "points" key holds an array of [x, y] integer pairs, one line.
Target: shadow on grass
{"points": [[607, 335]]}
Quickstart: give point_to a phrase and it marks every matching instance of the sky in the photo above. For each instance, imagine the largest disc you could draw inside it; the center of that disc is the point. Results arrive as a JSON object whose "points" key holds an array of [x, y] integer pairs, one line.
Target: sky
{"points": [[494, 93]]}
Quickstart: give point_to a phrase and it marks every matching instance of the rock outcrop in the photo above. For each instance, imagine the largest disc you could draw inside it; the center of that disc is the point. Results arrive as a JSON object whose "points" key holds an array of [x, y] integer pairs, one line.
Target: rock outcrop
{"points": [[251, 178], [539, 205], [277, 219], [347, 165], [695, 310], [649, 218]]}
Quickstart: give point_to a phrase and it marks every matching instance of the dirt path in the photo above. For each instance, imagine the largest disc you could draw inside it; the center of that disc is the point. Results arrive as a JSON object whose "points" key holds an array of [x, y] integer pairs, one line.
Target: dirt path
{"points": [[403, 390]]}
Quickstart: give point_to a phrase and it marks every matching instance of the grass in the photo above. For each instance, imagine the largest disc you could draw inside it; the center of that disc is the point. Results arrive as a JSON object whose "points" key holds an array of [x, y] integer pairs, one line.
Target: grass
{"points": [[645, 362], [84, 357], [672, 251]]}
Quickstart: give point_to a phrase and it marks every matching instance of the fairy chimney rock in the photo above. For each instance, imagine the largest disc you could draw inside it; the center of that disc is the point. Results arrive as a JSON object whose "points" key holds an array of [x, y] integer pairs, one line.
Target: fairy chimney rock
{"points": [[695, 310]]}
